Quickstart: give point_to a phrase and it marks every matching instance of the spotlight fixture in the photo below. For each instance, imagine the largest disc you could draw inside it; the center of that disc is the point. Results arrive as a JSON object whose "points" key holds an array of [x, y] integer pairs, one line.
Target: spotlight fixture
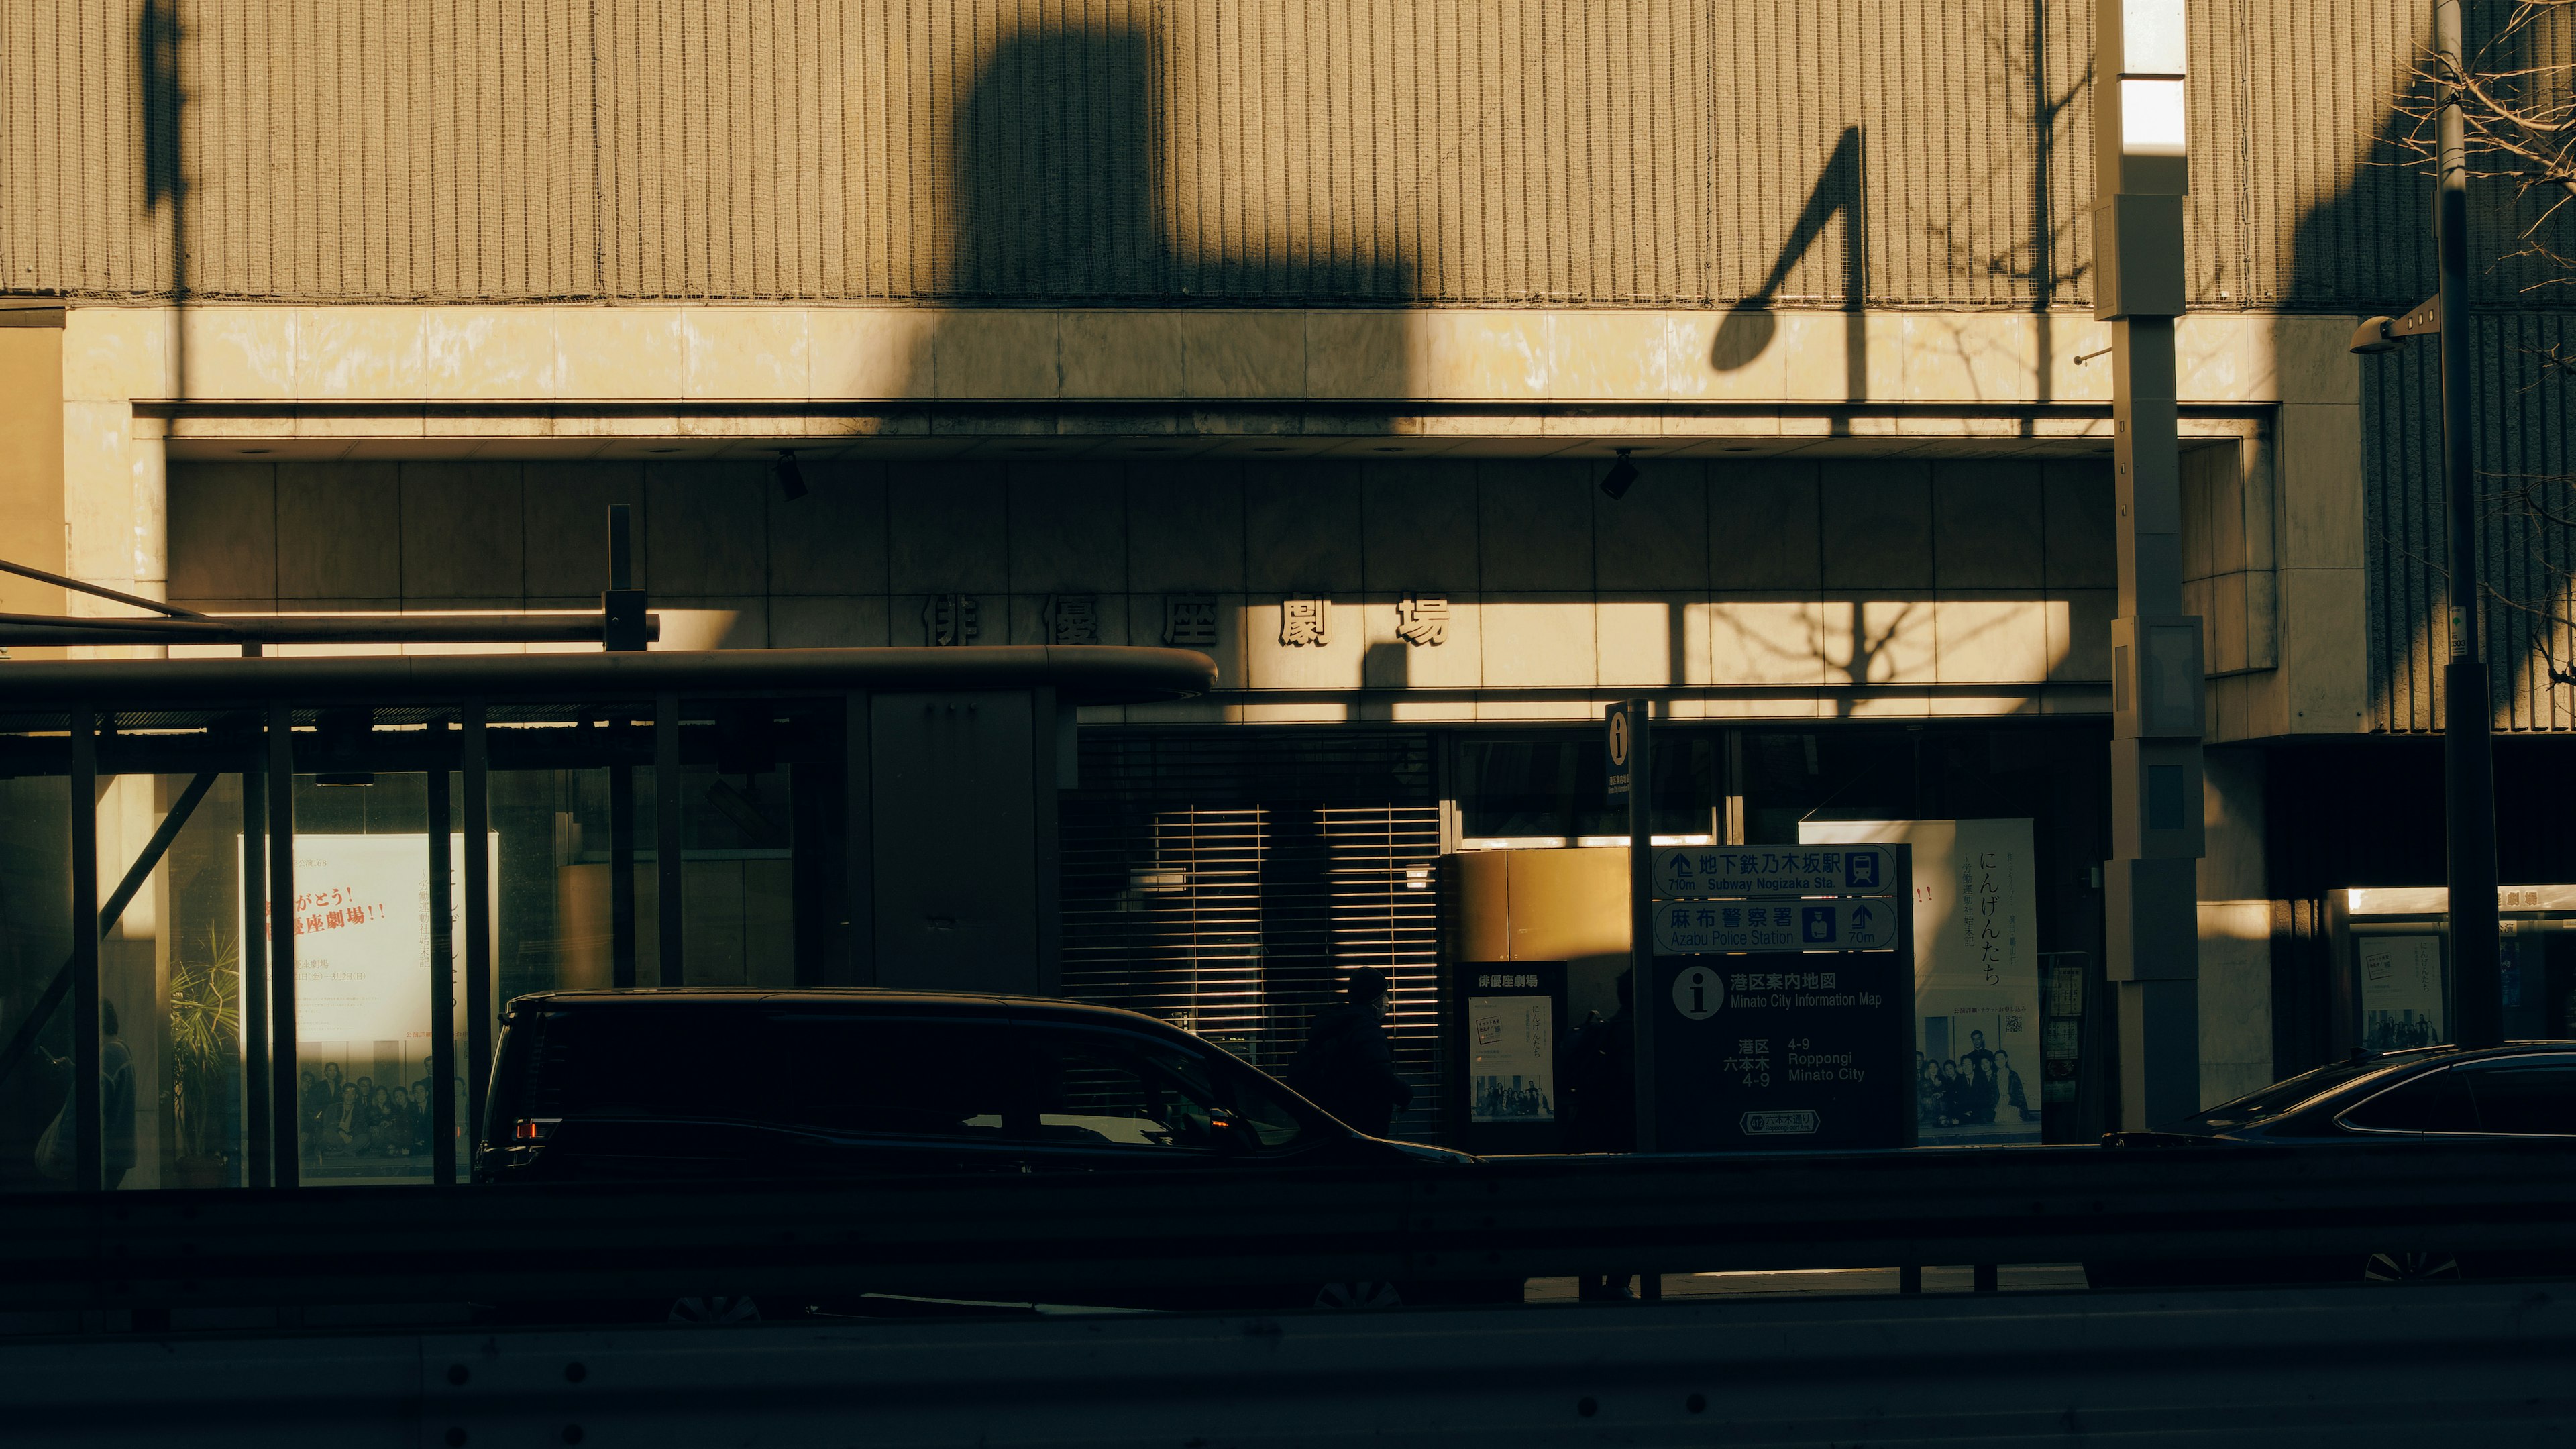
{"points": [[1621, 477], [791, 479]]}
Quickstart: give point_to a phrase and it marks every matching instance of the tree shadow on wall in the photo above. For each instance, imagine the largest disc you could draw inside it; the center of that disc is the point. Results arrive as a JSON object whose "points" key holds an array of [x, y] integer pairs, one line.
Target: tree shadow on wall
{"points": [[2366, 248]]}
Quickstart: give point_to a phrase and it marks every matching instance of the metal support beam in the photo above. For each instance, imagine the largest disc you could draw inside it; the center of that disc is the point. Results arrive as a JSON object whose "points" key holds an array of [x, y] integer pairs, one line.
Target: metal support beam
{"points": [[478, 921], [442, 966], [88, 1116], [669, 880], [255, 630], [286, 1102]]}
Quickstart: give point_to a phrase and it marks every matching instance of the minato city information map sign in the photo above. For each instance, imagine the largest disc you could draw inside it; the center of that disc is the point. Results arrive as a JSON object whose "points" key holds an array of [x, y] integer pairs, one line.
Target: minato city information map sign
{"points": [[1784, 983]]}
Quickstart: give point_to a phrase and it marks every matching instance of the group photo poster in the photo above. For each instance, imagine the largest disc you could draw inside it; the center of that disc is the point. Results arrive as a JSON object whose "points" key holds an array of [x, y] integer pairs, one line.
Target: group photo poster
{"points": [[2401, 991], [1977, 1043]]}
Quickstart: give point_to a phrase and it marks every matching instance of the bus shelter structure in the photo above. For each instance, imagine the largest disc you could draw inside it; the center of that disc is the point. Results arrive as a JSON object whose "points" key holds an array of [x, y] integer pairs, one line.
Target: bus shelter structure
{"points": [[270, 861]]}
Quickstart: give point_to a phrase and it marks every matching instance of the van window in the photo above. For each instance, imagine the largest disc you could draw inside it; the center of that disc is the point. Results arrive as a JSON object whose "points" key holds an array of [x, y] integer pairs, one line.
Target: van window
{"points": [[1104, 1088], [834, 1073]]}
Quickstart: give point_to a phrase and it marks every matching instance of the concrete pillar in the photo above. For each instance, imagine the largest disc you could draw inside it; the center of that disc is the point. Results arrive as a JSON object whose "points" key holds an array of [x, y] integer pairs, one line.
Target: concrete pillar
{"points": [[115, 486], [31, 458], [2156, 650]]}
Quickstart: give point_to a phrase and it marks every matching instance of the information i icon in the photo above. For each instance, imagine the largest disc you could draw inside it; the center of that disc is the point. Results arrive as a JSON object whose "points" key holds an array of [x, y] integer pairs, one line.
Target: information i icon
{"points": [[1698, 992]]}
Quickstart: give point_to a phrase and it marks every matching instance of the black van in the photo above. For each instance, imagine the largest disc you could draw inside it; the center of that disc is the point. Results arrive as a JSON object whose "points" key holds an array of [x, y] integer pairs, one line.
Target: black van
{"points": [[660, 1085]]}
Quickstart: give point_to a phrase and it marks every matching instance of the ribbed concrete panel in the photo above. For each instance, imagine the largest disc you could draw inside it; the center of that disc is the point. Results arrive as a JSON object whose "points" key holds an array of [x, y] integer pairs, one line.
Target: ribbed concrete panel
{"points": [[2527, 527], [1586, 152]]}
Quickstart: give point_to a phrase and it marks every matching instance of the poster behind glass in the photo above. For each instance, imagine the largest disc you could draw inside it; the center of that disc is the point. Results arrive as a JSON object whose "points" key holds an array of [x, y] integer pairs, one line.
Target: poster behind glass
{"points": [[2401, 992], [1511, 1074], [1978, 1045], [362, 1001], [1506, 1033]]}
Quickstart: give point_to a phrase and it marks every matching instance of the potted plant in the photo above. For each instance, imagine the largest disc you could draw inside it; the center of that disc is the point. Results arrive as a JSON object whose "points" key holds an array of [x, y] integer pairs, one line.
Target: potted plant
{"points": [[205, 1060]]}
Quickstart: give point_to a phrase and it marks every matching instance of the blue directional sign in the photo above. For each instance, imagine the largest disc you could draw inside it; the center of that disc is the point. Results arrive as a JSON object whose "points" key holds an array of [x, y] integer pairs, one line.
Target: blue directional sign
{"points": [[1707, 872], [1699, 928]]}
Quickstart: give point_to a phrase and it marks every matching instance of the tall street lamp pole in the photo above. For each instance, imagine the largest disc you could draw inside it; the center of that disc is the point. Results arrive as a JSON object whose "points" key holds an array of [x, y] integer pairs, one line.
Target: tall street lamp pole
{"points": [[2468, 710], [2468, 746]]}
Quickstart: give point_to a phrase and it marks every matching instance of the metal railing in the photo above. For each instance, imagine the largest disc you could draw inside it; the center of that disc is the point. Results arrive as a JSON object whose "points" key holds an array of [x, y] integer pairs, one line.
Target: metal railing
{"points": [[1078, 1237]]}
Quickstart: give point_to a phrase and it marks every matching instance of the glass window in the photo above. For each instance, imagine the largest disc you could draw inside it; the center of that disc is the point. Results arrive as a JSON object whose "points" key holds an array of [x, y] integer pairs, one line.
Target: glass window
{"points": [[824, 1072], [362, 959], [1555, 791], [35, 928], [2536, 1098], [2437, 1102], [1828, 775], [1097, 1089]]}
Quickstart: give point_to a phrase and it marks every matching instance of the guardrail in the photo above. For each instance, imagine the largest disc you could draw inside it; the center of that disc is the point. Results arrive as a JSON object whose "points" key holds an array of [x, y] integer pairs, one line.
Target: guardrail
{"points": [[2315, 1368], [1095, 1238]]}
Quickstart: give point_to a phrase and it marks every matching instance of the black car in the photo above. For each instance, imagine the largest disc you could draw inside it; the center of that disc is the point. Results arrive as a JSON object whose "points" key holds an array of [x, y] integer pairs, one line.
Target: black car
{"points": [[2518, 1092], [697, 1085]]}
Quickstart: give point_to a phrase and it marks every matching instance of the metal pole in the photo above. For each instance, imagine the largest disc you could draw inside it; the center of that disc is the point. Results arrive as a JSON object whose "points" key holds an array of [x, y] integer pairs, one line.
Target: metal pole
{"points": [[621, 860], [858, 840], [88, 1116], [1641, 914], [668, 879], [478, 921], [2468, 746], [285, 1098], [257, 1144], [442, 967]]}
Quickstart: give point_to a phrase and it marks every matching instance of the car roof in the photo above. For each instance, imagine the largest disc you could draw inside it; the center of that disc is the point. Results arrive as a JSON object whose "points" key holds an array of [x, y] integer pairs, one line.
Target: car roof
{"points": [[907, 1002], [2410, 1056]]}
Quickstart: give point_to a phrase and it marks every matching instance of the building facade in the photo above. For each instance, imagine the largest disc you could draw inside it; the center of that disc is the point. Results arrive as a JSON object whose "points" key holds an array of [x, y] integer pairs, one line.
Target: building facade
{"points": [[1305, 334]]}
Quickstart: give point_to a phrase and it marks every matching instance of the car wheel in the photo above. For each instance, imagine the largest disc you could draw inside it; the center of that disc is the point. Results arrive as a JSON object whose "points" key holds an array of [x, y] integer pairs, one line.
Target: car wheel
{"points": [[714, 1311], [2408, 1267], [1358, 1296]]}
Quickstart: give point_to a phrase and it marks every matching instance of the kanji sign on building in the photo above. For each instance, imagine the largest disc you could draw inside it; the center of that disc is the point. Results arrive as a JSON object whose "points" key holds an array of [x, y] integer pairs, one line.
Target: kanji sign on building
{"points": [[1189, 621], [1305, 619], [1422, 622], [1073, 619], [949, 619]]}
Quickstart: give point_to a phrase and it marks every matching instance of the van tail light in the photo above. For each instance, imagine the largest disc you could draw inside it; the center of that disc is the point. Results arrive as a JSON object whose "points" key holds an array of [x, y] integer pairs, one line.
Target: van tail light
{"points": [[529, 1131]]}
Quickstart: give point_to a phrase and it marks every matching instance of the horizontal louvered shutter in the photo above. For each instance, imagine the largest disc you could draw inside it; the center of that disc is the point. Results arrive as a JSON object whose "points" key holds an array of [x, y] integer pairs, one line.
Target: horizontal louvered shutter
{"points": [[1229, 881]]}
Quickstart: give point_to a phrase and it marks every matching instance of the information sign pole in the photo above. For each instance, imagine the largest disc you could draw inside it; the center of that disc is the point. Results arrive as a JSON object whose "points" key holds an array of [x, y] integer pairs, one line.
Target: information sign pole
{"points": [[1632, 771]]}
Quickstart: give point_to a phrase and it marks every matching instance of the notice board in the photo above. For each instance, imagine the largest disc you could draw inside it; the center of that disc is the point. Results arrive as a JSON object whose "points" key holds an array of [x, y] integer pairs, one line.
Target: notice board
{"points": [[1507, 1031]]}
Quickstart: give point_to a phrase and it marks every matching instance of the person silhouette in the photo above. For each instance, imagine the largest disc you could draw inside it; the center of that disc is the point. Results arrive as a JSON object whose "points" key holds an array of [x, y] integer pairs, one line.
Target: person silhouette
{"points": [[1347, 1066]]}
